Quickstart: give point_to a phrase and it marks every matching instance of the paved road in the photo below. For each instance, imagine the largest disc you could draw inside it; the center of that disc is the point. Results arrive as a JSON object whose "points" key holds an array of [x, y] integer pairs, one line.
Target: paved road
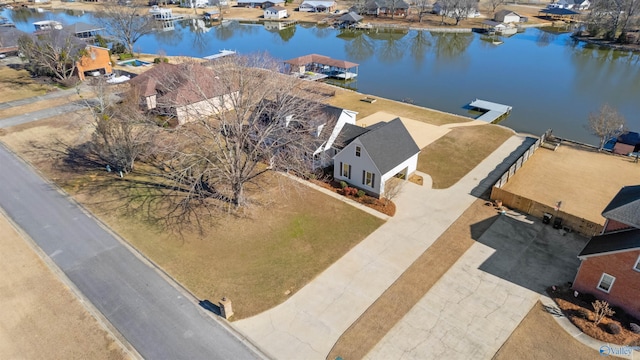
{"points": [[146, 309]]}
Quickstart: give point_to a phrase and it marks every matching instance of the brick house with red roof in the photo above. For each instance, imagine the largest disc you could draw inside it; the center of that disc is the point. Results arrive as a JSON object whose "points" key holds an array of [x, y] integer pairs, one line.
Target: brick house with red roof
{"points": [[610, 267], [184, 92]]}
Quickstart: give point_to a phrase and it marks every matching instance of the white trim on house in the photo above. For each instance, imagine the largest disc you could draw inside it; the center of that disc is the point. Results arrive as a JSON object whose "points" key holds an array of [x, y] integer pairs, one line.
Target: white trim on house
{"points": [[275, 12], [636, 267], [600, 283]]}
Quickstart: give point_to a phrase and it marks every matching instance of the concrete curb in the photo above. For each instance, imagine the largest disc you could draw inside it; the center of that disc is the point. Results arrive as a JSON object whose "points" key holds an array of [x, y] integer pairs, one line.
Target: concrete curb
{"points": [[577, 334]]}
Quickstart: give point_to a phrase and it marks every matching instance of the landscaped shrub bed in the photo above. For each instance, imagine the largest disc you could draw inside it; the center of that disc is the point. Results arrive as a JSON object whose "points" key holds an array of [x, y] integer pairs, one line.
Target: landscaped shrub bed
{"points": [[381, 205], [615, 329]]}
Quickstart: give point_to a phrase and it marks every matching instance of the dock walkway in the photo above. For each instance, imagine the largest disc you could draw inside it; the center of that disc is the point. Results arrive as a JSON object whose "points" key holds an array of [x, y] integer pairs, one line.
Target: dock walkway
{"points": [[493, 112]]}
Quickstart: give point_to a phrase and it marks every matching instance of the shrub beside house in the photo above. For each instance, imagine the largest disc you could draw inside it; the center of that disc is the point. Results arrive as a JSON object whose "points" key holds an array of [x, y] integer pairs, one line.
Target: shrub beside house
{"points": [[610, 267]]}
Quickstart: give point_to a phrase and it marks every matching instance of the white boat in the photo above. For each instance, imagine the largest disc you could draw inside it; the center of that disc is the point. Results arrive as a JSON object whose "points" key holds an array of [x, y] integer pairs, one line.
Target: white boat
{"points": [[46, 25]]}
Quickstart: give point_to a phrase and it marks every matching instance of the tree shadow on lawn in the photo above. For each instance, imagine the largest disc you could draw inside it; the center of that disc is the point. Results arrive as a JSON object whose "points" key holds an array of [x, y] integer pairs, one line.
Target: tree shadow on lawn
{"points": [[529, 253]]}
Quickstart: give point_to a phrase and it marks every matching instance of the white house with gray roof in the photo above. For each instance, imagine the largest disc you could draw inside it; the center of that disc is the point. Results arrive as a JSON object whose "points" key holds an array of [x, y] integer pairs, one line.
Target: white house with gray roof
{"points": [[370, 156]]}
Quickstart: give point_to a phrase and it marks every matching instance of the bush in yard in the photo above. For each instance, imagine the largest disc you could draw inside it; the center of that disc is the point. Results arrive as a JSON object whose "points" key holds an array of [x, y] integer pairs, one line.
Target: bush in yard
{"points": [[126, 56], [613, 328], [635, 328], [601, 309], [343, 184], [582, 313], [360, 193], [157, 60]]}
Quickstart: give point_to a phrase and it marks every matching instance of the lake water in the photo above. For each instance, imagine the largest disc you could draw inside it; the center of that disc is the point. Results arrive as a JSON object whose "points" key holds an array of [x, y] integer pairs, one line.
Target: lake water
{"points": [[549, 80]]}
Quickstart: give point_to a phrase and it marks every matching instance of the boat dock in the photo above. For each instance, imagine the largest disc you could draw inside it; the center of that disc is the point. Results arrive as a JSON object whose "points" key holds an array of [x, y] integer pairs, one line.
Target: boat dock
{"points": [[492, 112], [219, 55]]}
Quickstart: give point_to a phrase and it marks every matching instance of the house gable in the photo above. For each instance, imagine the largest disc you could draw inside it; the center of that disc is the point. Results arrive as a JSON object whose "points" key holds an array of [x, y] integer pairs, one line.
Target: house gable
{"points": [[389, 145], [359, 165], [625, 206]]}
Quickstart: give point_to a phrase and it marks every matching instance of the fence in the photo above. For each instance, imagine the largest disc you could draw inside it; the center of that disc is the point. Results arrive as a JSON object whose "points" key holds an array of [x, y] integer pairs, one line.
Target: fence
{"points": [[538, 210], [534, 208]]}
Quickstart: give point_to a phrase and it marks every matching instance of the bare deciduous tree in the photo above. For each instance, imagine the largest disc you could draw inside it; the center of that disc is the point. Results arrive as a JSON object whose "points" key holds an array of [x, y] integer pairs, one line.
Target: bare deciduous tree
{"points": [[606, 123], [457, 9], [126, 23], [601, 309], [612, 18], [54, 53], [392, 188], [258, 121], [422, 8], [121, 132], [495, 4]]}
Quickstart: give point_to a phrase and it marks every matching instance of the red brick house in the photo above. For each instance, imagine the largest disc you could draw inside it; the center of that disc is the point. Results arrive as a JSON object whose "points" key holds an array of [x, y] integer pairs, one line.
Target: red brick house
{"points": [[610, 267]]}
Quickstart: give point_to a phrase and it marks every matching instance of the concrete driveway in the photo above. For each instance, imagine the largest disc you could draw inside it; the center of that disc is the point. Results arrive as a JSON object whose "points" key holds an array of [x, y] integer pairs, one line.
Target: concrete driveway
{"points": [[478, 303], [307, 325]]}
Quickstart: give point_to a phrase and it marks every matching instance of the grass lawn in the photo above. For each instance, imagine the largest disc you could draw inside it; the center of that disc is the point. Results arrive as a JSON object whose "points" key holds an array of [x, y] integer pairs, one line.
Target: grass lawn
{"points": [[18, 84], [257, 260], [413, 284], [351, 100], [452, 156], [539, 337]]}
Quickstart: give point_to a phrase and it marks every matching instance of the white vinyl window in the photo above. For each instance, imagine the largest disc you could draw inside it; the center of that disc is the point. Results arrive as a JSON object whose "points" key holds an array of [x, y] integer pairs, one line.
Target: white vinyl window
{"points": [[368, 178], [358, 151], [346, 170], [636, 267], [606, 282]]}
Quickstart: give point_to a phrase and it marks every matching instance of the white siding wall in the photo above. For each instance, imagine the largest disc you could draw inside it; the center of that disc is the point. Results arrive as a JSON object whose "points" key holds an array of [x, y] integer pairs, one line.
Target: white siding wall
{"points": [[411, 164], [358, 164], [347, 117], [202, 108], [275, 14], [511, 19]]}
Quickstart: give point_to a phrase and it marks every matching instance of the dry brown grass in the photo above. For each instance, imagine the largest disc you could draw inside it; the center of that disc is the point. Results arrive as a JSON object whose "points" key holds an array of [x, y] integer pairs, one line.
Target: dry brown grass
{"points": [[414, 283], [352, 100], [452, 156], [256, 260], [40, 317], [584, 180], [18, 84], [18, 110], [540, 337]]}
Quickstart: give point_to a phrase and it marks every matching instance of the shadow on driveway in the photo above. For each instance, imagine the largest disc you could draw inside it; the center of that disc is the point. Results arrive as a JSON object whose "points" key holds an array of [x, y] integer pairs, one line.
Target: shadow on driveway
{"points": [[529, 253]]}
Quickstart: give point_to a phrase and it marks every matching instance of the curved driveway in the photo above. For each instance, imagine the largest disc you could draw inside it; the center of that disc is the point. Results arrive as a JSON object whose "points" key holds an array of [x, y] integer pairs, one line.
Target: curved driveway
{"points": [[151, 313]]}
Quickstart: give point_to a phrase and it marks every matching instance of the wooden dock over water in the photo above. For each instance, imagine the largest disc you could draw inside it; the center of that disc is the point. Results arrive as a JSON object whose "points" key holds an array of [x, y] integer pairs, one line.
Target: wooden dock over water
{"points": [[492, 112]]}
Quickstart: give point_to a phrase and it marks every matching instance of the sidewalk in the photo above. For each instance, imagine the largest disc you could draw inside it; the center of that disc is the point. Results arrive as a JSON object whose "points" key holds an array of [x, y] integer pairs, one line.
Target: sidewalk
{"points": [[31, 100], [308, 324]]}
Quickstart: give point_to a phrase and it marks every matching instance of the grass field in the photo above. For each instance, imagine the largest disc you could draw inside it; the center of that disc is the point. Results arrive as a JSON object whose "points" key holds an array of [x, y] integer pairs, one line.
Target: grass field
{"points": [[18, 84], [352, 101], [257, 260], [452, 156]]}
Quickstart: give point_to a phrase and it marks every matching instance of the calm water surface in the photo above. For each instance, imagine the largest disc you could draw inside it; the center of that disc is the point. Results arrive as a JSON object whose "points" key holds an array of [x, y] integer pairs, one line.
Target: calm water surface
{"points": [[550, 80]]}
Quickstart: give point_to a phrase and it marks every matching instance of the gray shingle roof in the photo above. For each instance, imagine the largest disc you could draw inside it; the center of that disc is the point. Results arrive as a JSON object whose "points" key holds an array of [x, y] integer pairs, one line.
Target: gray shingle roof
{"points": [[9, 36], [612, 242], [389, 145], [625, 206], [348, 133], [351, 17], [81, 27]]}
